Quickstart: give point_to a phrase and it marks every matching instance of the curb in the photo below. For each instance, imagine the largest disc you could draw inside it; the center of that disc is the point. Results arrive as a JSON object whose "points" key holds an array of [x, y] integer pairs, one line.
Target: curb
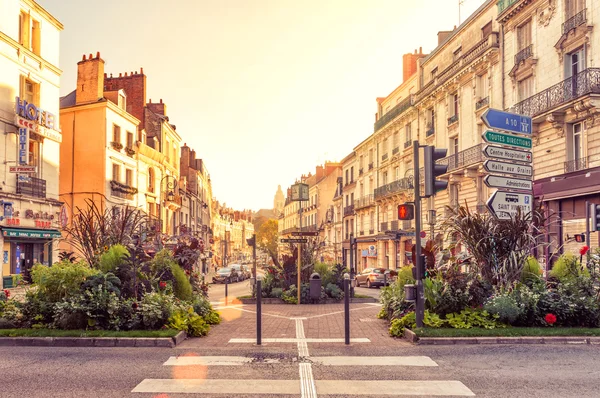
{"points": [[163, 342], [413, 338]]}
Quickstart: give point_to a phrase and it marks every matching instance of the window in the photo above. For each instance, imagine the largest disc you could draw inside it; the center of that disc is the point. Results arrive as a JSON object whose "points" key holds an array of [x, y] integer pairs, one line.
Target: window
{"points": [[482, 86], [457, 53], [574, 62], [116, 133], [121, 102], [524, 35], [454, 104], [116, 172], [397, 173], [407, 129], [431, 119], [129, 177], [29, 91], [352, 174], [370, 156], [360, 162], [453, 194], [395, 139], [576, 147], [129, 139], [29, 33], [454, 145], [486, 30], [525, 88], [385, 177], [347, 176], [573, 7], [362, 190]]}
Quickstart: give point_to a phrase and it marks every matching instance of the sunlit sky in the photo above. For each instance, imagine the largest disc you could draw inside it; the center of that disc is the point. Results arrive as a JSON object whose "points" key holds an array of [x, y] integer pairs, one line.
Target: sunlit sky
{"points": [[264, 90]]}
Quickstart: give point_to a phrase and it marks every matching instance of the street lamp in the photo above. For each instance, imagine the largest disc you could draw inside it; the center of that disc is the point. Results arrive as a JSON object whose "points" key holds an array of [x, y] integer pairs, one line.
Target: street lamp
{"points": [[168, 185]]}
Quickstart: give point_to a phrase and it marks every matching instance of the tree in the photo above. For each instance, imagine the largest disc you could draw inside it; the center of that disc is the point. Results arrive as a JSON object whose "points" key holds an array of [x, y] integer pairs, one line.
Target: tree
{"points": [[267, 237]]}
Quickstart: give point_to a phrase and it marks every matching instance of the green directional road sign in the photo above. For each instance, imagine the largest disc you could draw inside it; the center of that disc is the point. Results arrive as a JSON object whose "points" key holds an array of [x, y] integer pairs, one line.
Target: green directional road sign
{"points": [[507, 139]]}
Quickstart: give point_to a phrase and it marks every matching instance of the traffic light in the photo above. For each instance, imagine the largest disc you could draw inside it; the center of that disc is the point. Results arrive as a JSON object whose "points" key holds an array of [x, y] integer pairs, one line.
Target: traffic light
{"points": [[595, 213], [580, 238], [406, 212], [251, 241], [433, 170]]}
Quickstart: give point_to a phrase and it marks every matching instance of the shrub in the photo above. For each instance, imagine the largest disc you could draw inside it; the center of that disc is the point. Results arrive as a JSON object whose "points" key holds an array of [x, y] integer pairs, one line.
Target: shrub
{"points": [[6, 324], [470, 318], [96, 308], [212, 318], [290, 296], [202, 306], [505, 307], [531, 270], [188, 321], [10, 311], [567, 266], [161, 265], [61, 280], [325, 273], [155, 310], [392, 300], [114, 257], [410, 321], [276, 292], [405, 276], [37, 306], [182, 287], [108, 282], [334, 291]]}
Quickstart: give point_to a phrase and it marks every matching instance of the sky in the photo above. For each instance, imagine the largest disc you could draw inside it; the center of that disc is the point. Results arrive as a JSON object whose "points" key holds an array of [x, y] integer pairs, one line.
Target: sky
{"points": [[263, 90]]}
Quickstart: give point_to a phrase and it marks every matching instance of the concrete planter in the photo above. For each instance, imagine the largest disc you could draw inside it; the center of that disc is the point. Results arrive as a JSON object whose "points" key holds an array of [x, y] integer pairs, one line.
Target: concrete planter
{"points": [[166, 342]]}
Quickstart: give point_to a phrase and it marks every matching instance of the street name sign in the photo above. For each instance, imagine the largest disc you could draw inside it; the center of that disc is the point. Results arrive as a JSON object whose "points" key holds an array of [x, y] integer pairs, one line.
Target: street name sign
{"points": [[494, 181], [307, 233], [294, 240], [507, 154], [494, 166], [496, 119], [505, 205], [493, 137]]}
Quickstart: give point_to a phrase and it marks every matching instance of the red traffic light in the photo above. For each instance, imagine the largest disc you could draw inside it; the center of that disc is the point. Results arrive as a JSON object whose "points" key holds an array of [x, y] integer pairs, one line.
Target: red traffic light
{"points": [[406, 212], [579, 238]]}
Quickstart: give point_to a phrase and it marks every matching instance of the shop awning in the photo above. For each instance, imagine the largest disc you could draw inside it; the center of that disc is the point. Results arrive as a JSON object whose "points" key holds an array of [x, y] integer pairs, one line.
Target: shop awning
{"points": [[31, 233]]}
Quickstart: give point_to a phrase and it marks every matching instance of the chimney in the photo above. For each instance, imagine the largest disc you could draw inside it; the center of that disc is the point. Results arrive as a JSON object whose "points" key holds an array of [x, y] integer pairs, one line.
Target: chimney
{"points": [[185, 156], [443, 35], [192, 162], [158, 107], [90, 79], [320, 172], [409, 63], [135, 89]]}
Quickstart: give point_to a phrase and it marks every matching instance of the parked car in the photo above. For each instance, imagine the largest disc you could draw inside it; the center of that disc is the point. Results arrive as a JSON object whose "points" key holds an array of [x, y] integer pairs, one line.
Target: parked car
{"points": [[370, 277], [239, 269], [227, 274], [247, 271]]}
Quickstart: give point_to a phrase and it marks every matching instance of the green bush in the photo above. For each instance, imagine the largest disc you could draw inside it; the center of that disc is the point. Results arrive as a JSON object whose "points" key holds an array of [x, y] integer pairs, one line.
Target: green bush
{"points": [[276, 292], [405, 276], [410, 321], [202, 306], [567, 266], [114, 257], [473, 318], [213, 318], [95, 308], [290, 296], [61, 280], [188, 321], [505, 307], [182, 288], [392, 300], [106, 281], [325, 273], [334, 291], [155, 310], [531, 270]]}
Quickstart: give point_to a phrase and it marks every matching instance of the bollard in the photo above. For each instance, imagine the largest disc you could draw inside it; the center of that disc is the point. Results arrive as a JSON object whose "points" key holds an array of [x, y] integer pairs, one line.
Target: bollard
{"points": [[347, 308], [226, 286], [258, 309]]}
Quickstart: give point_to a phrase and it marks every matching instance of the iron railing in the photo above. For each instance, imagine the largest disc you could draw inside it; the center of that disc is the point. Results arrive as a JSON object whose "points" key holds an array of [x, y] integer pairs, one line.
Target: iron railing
{"points": [[575, 21], [383, 226], [482, 102], [371, 166], [464, 158], [348, 210], [122, 195], [361, 233], [430, 131], [504, 4], [406, 224], [396, 186], [525, 53], [576, 165], [371, 231], [365, 201], [31, 186], [407, 144], [583, 83], [395, 111], [384, 157], [395, 150], [452, 119]]}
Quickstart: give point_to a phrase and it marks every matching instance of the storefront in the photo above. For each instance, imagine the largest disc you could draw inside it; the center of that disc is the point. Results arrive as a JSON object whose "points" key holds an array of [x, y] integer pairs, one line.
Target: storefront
{"points": [[22, 248]]}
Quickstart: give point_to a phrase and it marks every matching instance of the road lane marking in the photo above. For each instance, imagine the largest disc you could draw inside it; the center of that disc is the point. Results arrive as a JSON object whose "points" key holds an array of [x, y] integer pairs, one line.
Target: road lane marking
{"points": [[373, 361], [302, 346], [294, 340], [341, 312], [217, 386], [207, 360], [393, 387], [307, 381]]}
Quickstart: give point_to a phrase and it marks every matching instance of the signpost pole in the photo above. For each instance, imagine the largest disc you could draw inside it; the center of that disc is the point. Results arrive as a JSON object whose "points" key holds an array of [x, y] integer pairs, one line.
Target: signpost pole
{"points": [[300, 258], [420, 304], [587, 223]]}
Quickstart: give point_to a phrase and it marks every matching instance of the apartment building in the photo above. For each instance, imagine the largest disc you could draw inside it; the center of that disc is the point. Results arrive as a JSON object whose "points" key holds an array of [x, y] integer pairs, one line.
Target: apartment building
{"points": [[31, 212]]}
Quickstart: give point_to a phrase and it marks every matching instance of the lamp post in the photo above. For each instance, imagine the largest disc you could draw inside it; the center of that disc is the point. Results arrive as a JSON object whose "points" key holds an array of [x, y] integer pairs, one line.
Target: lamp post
{"points": [[168, 185]]}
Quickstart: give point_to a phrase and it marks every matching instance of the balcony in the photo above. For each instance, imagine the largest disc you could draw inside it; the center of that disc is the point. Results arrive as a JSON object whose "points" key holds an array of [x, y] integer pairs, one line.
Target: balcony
{"points": [[348, 210], [384, 157], [576, 20], [395, 151], [482, 103], [393, 187], [406, 225], [395, 111], [504, 4], [310, 228], [31, 186], [371, 231], [407, 144], [365, 201], [584, 83], [122, 191], [371, 166], [576, 165], [129, 151], [394, 225], [383, 227], [524, 54], [430, 130], [117, 146], [452, 119], [464, 158]]}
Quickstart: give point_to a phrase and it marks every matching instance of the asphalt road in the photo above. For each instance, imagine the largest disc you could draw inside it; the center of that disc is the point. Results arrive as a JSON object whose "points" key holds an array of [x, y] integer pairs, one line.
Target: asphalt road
{"points": [[505, 371]]}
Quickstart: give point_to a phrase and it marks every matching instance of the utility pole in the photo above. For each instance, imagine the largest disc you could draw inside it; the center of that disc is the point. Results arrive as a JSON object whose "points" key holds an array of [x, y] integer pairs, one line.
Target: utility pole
{"points": [[300, 258]]}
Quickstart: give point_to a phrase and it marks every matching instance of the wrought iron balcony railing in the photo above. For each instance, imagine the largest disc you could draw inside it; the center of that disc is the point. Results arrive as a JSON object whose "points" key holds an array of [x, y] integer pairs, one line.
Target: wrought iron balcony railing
{"points": [[583, 83], [384, 157], [573, 22], [348, 210], [395, 150], [371, 231], [365, 201], [525, 53], [430, 131], [371, 166], [395, 111], [406, 224], [31, 186], [383, 227], [452, 119], [504, 4], [407, 144], [482, 102], [464, 158], [576, 165], [396, 186]]}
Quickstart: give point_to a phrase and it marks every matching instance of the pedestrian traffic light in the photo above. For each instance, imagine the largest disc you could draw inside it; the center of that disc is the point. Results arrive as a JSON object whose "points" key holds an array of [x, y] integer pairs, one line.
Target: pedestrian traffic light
{"points": [[580, 238], [433, 170], [595, 213], [251, 241], [406, 212]]}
